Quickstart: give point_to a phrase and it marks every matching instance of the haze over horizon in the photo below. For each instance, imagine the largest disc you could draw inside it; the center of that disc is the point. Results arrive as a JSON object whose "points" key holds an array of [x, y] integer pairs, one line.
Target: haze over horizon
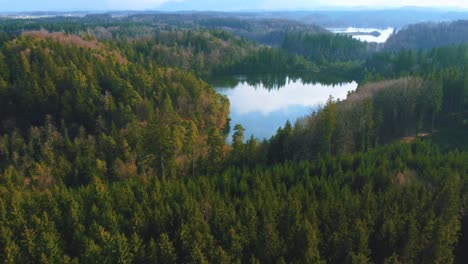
{"points": [[214, 5]]}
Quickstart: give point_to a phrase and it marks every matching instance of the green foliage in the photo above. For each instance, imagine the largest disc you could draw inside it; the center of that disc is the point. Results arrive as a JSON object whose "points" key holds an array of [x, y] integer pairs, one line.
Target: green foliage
{"points": [[426, 36], [374, 209], [111, 151], [116, 117], [270, 60], [325, 48]]}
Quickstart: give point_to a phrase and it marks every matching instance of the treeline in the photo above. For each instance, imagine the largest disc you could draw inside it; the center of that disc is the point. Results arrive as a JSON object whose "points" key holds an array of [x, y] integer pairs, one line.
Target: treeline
{"points": [[270, 61], [422, 63], [325, 48], [264, 31], [426, 36], [329, 54]]}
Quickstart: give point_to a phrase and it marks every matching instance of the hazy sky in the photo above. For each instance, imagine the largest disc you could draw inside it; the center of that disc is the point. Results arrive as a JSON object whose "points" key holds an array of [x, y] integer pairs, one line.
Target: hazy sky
{"points": [[29, 5]]}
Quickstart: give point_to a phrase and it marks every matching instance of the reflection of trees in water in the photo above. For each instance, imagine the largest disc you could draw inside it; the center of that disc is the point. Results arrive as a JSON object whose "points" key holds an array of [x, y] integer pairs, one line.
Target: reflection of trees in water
{"points": [[277, 81], [269, 81]]}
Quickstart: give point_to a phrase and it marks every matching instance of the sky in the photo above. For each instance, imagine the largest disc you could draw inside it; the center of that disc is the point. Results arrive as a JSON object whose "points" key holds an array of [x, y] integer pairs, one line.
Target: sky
{"points": [[215, 5]]}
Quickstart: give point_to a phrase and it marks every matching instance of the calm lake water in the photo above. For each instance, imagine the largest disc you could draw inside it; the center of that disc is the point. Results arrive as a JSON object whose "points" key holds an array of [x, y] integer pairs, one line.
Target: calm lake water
{"points": [[261, 106], [384, 33]]}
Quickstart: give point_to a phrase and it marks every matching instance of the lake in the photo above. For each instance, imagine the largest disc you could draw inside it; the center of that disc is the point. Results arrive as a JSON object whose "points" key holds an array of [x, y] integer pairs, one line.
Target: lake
{"points": [[262, 105], [362, 33]]}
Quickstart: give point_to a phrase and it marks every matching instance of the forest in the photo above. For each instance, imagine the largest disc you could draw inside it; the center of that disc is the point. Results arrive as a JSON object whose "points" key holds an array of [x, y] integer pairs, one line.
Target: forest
{"points": [[113, 147], [428, 35]]}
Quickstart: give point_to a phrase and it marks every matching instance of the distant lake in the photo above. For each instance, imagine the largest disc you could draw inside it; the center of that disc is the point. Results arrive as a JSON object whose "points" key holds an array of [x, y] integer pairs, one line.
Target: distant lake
{"points": [[360, 33], [263, 104]]}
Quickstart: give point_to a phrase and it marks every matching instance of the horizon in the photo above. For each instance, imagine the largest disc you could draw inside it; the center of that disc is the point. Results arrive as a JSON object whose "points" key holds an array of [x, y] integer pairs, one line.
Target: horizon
{"points": [[227, 6], [318, 9]]}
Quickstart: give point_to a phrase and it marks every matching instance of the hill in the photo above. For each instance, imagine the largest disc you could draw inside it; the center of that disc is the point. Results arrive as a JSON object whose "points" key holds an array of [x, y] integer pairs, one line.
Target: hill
{"points": [[426, 36]]}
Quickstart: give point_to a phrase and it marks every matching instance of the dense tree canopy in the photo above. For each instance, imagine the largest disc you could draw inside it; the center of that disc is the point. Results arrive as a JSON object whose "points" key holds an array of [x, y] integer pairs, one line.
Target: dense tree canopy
{"points": [[426, 36], [113, 150]]}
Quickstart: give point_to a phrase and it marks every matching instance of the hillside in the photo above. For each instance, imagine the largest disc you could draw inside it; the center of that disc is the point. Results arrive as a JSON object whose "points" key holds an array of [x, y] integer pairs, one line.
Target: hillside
{"points": [[427, 36]]}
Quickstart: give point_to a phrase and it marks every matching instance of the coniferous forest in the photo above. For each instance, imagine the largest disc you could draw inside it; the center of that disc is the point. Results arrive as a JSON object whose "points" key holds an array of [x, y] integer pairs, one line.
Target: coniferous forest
{"points": [[115, 149]]}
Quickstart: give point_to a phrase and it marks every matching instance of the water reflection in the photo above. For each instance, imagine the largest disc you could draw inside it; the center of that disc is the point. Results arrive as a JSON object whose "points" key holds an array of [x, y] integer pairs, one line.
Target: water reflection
{"points": [[277, 81], [357, 33], [261, 104]]}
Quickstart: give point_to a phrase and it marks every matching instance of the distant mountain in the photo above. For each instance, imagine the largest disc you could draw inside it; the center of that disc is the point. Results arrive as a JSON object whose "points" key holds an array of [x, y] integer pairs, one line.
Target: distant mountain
{"points": [[426, 36], [328, 17], [395, 18]]}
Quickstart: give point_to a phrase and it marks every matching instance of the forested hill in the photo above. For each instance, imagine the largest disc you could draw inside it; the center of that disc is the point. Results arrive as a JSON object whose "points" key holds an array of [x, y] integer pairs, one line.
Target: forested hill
{"points": [[268, 31], [85, 103], [203, 44], [425, 36]]}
